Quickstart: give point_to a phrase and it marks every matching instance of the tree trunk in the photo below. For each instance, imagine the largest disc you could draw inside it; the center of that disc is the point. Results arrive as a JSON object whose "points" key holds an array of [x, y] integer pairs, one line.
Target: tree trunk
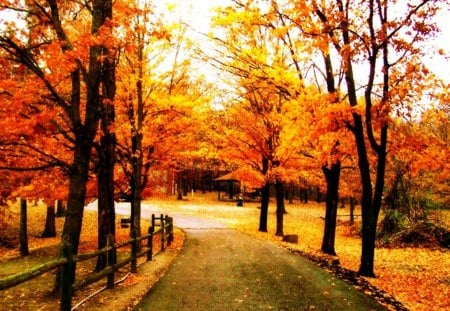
{"points": [[352, 210], [265, 195], [318, 195], [180, 187], [332, 175], [77, 196], [107, 155], [304, 195], [280, 192], [290, 194], [50, 223], [370, 209], [106, 210], [23, 234], [136, 186], [367, 212], [60, 209]]}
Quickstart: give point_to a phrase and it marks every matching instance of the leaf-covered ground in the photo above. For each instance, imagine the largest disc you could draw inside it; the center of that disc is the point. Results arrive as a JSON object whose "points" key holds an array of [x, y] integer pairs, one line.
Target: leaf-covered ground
{"points": [[418, 277]]}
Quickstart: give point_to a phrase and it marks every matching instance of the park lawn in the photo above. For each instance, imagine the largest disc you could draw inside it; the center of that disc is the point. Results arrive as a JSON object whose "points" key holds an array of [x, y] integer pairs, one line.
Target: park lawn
{"points": [[417, 277]]}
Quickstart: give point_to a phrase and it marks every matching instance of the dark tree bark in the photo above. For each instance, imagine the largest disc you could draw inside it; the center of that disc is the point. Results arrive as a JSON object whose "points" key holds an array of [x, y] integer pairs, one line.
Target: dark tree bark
{"points": [[50, 223], [60, 209], [280, 192], [364, 131], [290, 194], [318, 195], [106, 148], [303, 195], [332, 175], [180, 187], [138, 115], [23, 232], [265, 196]]}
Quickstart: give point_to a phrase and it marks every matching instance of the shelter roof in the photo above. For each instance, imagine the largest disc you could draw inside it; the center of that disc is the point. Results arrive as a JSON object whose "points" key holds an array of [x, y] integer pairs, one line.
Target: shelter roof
{"points": [[228, 177]]}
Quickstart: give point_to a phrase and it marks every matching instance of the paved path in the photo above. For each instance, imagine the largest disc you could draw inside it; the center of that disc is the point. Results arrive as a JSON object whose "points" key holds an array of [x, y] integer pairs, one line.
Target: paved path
{"points": [[222, 269]]}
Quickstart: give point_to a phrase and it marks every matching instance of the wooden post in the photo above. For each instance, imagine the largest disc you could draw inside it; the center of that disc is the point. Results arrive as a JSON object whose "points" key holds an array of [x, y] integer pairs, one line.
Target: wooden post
{"points": [[167, 224], [23, 234], [151, 229], [66, 278], [163, 231], [134, 249], [110, 261], [170, 240]]}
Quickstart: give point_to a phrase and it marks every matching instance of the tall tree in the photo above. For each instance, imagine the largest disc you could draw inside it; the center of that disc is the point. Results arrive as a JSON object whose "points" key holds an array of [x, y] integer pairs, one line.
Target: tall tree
{"points": [[386, 44], [64, 63]]}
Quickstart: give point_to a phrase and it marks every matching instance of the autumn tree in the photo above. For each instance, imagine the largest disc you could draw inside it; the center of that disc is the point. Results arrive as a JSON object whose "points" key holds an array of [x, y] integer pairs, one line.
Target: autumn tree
{"points": [[68, 59], [288, 69], [259, 49], [417, 177], [381, 38], [158, 101]]}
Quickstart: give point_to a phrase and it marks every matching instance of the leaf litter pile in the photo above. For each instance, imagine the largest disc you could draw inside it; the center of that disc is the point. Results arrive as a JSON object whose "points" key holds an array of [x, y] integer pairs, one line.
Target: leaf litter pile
{"points": [[408, 278]]}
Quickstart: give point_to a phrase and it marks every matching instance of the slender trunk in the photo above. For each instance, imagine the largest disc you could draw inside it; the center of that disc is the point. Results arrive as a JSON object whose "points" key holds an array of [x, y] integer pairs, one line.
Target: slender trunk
{"points": [[332, 175], [265, 195], [107, 154], [318, 195], [370, 213], [280, 192], [352, 210], [23, 232], [180, 187], [290, 194], [50, 223], [367, 213], [60, 209], [136, 185]]}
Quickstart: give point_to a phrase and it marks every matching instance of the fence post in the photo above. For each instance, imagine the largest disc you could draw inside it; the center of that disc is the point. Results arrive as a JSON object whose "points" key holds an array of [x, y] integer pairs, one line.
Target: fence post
{"points": [[110, 261], [167, 224], [134, 248], [163, 232], [65, 294], [151, 229], [170, 219]]}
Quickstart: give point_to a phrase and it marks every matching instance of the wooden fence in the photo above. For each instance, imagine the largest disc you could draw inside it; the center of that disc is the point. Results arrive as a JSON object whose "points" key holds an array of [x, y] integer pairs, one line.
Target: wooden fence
{"points": [[161, 226]]}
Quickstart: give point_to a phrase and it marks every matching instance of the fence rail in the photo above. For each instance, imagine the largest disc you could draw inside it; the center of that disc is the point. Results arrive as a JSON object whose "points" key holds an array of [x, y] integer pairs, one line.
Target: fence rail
{"points": [[161, 226]]}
